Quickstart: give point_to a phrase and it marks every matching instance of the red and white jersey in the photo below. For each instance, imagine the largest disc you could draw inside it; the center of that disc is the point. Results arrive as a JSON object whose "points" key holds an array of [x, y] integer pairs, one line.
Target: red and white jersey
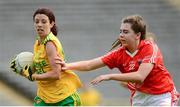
{"points": [[157, 82]]}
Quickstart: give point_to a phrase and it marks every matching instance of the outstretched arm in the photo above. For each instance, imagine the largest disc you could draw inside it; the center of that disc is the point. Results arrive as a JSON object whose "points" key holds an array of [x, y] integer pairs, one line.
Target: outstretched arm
{"points": [[86, 65], [139, 76]]}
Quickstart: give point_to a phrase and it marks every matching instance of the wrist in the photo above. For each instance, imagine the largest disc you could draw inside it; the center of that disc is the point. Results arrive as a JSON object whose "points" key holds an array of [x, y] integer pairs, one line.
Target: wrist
{"points": [[34, 77], [109, 77]]}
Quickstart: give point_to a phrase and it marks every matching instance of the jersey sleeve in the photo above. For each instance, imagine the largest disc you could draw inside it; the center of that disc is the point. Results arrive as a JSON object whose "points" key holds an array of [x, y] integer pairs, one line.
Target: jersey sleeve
{"points": [[150, 54], [110, 59]]}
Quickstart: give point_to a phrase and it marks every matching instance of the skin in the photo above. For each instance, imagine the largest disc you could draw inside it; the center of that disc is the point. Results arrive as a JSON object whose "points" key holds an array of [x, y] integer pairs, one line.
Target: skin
{"points": [[149, 36], [130, 40], [43, 28]]}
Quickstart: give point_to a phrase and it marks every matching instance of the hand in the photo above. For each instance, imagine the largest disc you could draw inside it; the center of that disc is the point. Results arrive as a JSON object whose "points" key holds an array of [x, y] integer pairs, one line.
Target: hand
{"points": [[58, 60], [13, 66], [100, 79], [27, 72]]}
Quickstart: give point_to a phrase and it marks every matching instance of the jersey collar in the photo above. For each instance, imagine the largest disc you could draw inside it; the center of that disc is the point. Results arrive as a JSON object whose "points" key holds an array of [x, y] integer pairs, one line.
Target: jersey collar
{"points": [[139, 47]]}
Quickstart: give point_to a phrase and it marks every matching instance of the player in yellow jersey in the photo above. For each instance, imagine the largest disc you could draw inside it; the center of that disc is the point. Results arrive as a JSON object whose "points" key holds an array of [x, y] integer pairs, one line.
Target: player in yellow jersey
{"points": [[55, 88]]}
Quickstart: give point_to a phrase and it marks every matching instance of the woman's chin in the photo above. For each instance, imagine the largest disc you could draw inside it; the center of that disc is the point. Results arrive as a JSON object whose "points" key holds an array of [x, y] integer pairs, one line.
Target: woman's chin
{"points": [[41, 34], [124, 45]]}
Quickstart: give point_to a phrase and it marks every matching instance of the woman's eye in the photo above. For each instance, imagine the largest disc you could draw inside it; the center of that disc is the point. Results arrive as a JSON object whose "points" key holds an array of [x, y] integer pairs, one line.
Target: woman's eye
{"points": [[36, 21], [125, 32], [120, 31], [44, 21]]}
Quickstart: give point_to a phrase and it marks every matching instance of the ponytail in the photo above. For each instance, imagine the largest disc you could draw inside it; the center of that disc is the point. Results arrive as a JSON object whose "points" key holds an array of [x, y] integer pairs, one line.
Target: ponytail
{"points": [[54, 30]]}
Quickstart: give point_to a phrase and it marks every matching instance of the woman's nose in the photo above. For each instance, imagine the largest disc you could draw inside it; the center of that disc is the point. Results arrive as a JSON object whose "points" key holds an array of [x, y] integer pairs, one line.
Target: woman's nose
{"points": [[120, 35], [39, 24]]}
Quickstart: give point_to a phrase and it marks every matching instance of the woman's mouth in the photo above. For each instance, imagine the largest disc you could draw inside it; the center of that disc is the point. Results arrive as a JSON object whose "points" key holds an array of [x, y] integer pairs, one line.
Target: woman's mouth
{"points": [[40, 30], [122, 40]]}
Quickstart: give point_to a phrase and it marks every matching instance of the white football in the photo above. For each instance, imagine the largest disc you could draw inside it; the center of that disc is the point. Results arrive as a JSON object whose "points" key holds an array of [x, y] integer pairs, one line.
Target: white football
{"points": [[23, 59]]}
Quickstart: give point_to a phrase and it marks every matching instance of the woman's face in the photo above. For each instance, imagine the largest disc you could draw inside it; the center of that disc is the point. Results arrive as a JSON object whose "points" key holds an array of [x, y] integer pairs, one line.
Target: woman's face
{"points": [[127, 36], [42, 25]]}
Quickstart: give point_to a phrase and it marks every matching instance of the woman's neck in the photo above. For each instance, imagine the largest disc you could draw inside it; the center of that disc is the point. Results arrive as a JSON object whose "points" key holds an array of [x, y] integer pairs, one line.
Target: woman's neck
{"points": [[42, 37], [133, 47]]}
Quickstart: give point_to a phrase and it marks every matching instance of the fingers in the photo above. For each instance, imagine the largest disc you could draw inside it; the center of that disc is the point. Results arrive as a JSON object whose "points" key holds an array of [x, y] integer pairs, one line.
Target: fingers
{"points": [[97, 80], [13, 66], [64, 68], [27, 72], [58, 60], [100, 79], [63, 65]]}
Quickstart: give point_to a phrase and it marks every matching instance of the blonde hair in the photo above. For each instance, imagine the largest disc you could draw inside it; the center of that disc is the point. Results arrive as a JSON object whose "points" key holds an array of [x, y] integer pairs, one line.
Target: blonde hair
{"points": [[150, 36]]}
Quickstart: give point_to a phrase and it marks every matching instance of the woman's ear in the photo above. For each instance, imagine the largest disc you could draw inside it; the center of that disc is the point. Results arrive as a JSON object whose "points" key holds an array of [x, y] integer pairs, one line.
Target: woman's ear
{"points": [[52, 24], [138, 35]]}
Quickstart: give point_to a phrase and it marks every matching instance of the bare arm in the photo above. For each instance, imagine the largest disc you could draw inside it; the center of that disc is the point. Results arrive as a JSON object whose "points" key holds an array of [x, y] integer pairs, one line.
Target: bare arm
{"points": [[139, 76], [54, 74], [86, 65]]}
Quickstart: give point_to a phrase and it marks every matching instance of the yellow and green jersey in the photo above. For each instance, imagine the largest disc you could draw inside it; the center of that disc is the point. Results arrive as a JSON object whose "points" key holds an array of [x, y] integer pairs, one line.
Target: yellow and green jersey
{"points": [[53, 91]]}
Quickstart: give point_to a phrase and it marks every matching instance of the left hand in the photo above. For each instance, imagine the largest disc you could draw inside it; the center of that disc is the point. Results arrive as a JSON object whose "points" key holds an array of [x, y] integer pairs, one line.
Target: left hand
{"points": [[27, 72], [100, 79]]}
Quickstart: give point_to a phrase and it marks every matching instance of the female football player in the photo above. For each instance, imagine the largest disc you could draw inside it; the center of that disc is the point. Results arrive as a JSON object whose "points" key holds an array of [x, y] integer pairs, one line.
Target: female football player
{"points": [[54, 88], [140, 63]]}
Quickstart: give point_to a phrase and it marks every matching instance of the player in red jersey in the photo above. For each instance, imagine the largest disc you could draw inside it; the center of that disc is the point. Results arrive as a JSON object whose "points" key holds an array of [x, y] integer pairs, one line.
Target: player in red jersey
{"points": [[141, 64]]}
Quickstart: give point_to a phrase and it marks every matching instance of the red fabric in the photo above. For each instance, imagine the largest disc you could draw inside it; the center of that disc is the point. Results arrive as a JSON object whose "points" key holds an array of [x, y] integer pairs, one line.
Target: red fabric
{"points": [[132, 91], [157, 82], [174, 97]]}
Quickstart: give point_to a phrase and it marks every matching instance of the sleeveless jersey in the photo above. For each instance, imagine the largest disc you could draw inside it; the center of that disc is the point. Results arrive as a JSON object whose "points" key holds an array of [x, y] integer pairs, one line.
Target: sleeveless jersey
{"points": [[53, 91]]}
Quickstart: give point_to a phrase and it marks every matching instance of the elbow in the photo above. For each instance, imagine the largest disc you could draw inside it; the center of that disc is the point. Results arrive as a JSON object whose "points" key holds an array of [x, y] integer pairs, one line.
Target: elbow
{"points": [[140, 79], [56, 76]]}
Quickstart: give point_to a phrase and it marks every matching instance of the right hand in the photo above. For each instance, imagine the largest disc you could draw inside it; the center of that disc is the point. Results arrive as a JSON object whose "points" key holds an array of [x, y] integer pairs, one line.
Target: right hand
{"points": [[14, 67], [58, 60]]}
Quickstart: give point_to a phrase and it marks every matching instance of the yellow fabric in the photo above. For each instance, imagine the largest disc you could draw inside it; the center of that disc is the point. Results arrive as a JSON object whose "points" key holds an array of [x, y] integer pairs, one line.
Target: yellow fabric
{"points": [[90, 97], [53, 91]]}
